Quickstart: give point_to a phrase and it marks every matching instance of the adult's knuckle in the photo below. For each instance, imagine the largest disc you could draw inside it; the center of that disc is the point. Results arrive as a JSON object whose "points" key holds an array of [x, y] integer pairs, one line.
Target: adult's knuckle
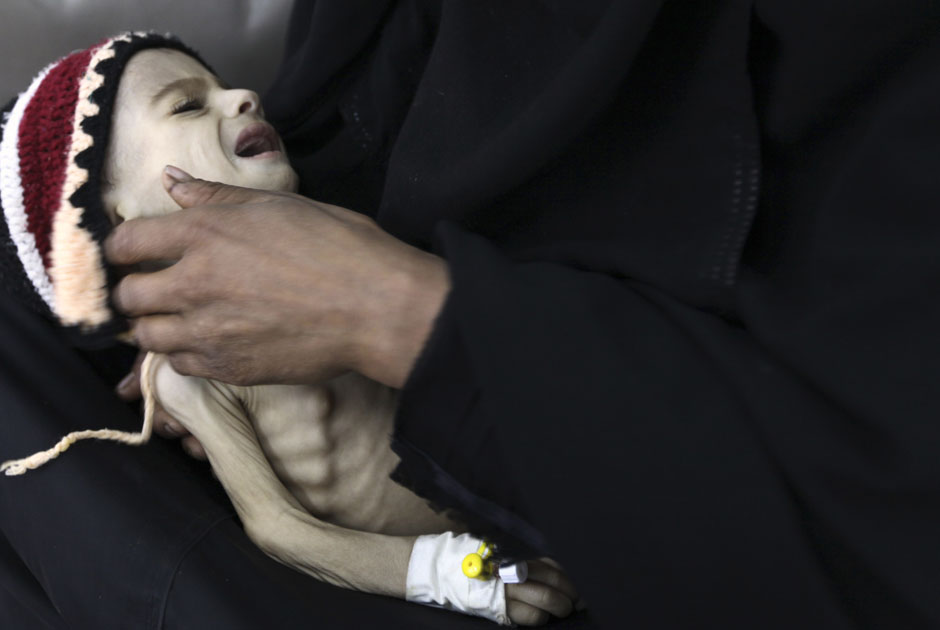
{"points": [[200, 223], [123, 295], [231, 330], [188, 290], [186, 364], [199, 257], [208, 342], [143, 334]]}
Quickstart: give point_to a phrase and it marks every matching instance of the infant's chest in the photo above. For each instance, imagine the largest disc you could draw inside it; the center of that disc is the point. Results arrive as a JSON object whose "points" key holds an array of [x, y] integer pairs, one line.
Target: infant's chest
{"points": [[329, 444]]}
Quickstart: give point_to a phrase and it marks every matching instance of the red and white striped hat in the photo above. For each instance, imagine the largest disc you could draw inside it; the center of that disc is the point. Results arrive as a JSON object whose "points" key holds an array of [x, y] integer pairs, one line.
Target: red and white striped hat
{"points": [[52, 153]]}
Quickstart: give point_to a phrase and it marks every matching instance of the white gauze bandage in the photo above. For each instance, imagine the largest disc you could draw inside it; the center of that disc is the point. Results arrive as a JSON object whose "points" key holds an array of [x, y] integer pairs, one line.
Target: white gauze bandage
{"points": [[435, 578]]}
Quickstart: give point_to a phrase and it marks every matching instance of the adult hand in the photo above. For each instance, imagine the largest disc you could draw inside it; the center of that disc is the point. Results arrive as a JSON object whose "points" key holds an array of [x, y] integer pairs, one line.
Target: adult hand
{"points": [[272, 287]]}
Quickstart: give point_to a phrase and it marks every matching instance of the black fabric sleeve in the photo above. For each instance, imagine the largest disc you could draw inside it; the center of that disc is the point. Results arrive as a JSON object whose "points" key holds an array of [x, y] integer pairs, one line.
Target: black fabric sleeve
{"points": [[764, 458], [624, 444], [775, 468]]}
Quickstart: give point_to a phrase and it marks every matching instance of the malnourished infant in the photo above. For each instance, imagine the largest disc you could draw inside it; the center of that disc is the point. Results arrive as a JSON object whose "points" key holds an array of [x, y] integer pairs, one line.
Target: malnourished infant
{"points": [[306, 466]]}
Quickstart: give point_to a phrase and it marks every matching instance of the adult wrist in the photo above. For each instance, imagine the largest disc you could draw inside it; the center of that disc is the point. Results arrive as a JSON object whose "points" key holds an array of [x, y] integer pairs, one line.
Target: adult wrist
{"points": [[414, 297]]}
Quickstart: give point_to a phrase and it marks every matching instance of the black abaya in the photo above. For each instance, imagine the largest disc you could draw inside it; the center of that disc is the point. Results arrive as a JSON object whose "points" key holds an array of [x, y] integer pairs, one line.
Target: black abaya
{"points": [[690, 347]]}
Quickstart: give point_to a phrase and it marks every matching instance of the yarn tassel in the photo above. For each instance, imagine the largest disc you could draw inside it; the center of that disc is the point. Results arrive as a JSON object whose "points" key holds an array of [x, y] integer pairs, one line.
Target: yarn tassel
{"points": [[20, 466]]}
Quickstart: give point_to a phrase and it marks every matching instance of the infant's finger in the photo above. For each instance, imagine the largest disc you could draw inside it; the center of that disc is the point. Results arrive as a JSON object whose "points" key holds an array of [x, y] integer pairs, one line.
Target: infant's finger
{"points": [[549, 572], [193, 448], [129, 387], [525, 615], [542, 597], [166, 425], [552, 562]]}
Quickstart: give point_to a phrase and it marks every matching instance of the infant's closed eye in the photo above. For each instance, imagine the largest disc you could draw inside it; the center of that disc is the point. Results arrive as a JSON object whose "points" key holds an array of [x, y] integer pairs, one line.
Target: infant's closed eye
{"points": [[188, 104]]}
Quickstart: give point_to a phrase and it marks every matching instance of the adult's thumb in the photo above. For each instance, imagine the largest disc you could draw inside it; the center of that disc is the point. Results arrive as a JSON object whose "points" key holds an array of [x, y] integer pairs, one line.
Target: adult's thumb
{"points": [[187, 191]]}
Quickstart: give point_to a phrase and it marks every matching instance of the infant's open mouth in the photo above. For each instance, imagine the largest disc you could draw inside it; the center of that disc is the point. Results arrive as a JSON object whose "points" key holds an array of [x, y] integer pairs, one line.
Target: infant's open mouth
{"points": [[257, 140]]}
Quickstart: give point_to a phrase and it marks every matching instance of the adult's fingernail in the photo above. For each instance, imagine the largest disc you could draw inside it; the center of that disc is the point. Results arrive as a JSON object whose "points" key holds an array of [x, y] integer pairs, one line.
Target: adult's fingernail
{"points": [[178, 175], [171, 429], [126, 382]]}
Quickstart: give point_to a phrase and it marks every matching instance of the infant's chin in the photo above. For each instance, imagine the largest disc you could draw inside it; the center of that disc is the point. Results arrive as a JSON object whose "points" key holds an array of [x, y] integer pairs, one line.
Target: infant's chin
{"points": [[293, 182], [283, 179]]}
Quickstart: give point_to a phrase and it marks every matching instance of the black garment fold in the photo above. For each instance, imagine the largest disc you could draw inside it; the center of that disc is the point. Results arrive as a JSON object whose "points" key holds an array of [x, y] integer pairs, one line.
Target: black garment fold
{"points": [[691, 334]]}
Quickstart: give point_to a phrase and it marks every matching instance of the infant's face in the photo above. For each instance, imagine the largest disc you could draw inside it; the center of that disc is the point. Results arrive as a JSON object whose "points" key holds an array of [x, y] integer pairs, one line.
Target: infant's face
{"points": [[171, 110]]}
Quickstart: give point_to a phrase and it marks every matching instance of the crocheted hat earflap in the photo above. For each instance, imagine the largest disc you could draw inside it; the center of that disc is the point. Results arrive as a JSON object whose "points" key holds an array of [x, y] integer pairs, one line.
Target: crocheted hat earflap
{"points": [[55, 136], [52, 152]]}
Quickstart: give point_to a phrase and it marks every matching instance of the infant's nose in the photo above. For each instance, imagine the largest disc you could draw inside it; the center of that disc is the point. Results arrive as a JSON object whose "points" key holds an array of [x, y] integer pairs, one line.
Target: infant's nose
{"points": [[245, 102]]}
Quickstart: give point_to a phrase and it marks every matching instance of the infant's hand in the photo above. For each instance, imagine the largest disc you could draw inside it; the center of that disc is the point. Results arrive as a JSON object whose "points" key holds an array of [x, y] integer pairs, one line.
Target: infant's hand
{"points": [[548, 592], [164, 424]]}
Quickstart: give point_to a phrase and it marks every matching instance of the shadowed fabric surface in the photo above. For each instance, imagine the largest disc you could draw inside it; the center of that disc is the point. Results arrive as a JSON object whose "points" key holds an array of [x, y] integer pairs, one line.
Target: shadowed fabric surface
{"points": [[690, 347]]}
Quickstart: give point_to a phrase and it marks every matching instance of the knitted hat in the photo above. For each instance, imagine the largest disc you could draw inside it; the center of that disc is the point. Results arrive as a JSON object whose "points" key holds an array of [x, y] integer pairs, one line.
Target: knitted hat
{"points": [[52, 153]]}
